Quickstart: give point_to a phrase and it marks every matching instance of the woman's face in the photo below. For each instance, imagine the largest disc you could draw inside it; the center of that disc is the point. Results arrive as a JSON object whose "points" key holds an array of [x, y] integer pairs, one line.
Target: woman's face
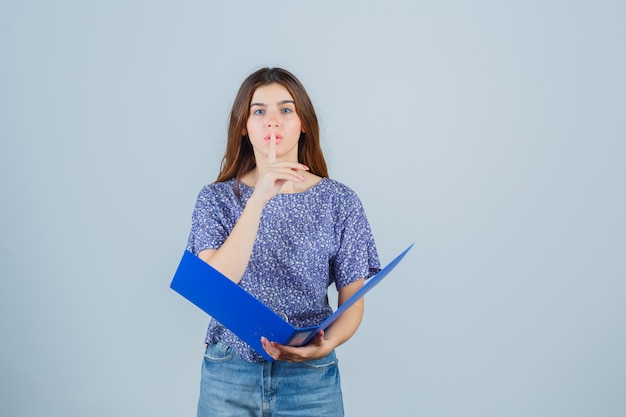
{"points": [[272, 110]]}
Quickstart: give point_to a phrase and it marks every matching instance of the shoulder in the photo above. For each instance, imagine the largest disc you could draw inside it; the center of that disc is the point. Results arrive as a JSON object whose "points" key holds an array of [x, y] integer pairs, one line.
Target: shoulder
{"points": [[217, 188], [339, 189], [225, 191], [343, 197]]}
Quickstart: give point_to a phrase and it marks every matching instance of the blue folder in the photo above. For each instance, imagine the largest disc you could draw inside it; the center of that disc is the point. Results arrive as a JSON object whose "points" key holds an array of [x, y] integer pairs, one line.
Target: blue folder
{"points": [[246, 316]]}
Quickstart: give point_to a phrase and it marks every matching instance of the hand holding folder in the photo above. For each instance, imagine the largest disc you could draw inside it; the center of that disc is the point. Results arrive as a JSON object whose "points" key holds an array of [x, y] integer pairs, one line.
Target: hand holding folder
{"points": [[246, 316]]}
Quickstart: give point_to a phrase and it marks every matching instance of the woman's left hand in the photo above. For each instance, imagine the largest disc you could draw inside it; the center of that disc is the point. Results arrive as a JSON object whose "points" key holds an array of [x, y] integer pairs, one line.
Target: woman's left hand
{"points": [[315, 349]]}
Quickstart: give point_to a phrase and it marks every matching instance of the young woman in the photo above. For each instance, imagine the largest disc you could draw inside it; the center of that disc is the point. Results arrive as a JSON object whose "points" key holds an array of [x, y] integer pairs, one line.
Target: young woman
{"points": [[274, 223]]}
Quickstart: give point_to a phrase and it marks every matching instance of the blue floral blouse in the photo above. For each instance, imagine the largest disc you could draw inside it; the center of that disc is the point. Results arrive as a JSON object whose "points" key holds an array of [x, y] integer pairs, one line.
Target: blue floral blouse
{"points": [[306, 241]]}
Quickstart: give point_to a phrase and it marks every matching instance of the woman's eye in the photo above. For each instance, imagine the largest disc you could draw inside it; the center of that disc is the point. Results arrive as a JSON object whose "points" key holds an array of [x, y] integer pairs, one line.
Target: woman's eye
{"points": [[286, 110], [259, 111]]}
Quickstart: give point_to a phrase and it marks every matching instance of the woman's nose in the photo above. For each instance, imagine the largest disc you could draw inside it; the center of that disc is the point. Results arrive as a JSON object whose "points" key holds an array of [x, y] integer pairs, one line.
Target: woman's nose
{"points": [[272, 118]]}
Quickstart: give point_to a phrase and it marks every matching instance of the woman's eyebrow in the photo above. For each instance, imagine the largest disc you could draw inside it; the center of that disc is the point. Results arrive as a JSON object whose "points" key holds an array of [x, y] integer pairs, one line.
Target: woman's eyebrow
{"points": [[280, 103]]}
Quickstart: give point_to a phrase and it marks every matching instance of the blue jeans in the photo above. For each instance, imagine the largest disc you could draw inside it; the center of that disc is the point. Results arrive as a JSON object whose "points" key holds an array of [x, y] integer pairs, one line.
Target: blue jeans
{"points": [[231, 386]]}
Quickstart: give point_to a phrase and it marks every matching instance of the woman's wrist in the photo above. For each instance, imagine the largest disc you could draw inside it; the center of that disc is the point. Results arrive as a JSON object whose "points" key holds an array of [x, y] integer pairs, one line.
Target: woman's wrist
{"points": [[255, 203]]}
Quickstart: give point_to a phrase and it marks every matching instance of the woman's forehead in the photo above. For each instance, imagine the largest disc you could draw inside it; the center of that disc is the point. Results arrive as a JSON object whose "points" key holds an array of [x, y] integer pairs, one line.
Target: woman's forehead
{"points": [[270, 93]]}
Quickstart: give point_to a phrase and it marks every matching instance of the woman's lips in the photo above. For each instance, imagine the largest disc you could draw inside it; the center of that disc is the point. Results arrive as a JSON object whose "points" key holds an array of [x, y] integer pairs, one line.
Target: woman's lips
{"points": [[278, 138]]}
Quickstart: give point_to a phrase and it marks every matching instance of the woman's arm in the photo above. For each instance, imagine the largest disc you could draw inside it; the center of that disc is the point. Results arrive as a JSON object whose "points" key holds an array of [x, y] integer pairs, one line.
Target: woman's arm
{"points": [[338, 333], [231, 259]]}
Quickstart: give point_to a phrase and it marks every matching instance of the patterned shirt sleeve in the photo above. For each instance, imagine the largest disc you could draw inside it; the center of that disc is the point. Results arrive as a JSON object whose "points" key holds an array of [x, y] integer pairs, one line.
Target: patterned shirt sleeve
{"points": [[210, 225], [357, 256]]}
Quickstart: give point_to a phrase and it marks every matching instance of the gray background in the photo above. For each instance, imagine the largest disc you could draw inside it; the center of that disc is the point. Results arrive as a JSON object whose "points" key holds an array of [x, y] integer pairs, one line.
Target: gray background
{"points": [[490, 133]]}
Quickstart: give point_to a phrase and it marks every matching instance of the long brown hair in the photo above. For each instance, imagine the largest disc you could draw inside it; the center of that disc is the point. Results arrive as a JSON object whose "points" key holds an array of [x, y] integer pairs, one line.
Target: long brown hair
{"points": [[239, 156]]}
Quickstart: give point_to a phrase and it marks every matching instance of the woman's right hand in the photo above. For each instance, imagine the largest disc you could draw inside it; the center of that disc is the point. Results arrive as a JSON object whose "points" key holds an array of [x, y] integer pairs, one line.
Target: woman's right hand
{"points": [[273, 175]]}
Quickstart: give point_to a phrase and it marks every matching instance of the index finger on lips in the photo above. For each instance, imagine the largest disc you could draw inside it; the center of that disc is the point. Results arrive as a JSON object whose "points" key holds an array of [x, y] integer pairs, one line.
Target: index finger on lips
{"points": [[271, 156]]}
